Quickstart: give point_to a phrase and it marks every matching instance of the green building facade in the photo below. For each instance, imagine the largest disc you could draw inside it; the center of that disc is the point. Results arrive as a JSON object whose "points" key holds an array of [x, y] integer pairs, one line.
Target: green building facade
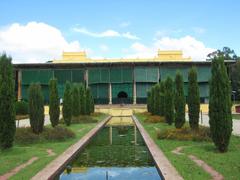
{"points": [[111, 83]]}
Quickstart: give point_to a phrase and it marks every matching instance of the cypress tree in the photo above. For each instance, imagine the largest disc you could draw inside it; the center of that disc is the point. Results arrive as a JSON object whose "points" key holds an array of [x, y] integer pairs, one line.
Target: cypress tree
{"points": [[162, 97], [67, 104], [7, 107], [193, 99], [148, 101], [156, 99], [36, 108], [54, 109], [152, 100], [76, 101], [220, 117], [88, 101], [82, 99], [169, 101], [179, 101], [92, 103]]}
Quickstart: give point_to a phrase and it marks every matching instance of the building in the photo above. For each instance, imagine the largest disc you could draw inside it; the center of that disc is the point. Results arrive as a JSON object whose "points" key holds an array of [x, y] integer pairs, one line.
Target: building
{"points": [[112, 81]]}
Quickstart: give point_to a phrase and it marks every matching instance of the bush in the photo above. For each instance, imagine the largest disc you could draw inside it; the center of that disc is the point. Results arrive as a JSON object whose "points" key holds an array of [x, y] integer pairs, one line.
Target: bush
{"points": [[155, 119], [58, 133], [185, 134], [26, 136], [83, 119], [21, 108]]}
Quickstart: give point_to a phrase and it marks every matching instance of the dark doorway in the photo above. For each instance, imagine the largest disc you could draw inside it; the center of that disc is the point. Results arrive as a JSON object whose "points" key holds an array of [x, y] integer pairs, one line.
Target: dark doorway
{"points": [[122, 94]]}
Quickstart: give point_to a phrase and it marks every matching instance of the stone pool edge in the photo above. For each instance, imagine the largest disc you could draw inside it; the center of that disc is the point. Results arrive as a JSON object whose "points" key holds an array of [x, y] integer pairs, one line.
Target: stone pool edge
{"points": [[165, 168], [58, 164]]}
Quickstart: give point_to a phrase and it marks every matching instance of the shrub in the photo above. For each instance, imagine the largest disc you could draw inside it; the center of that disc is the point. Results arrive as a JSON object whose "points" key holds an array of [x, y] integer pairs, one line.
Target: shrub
{"points": [[67, 104], [155, 119], [36, 108], [83, 119], [179, 101], [185, 134], [58, 133], [54, 108], [220, 117], [193, 99], [26, 136], [169, 101], [21, 108], [7, 106]]}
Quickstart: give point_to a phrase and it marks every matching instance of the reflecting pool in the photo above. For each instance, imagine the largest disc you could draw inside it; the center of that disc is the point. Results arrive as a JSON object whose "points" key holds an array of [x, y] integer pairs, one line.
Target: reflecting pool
{"points": [[116, 152]]}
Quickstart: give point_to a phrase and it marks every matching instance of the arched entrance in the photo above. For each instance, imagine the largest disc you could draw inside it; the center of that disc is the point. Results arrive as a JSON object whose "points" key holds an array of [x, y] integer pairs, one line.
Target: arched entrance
{"points": [[122, 94], [122, 97]]}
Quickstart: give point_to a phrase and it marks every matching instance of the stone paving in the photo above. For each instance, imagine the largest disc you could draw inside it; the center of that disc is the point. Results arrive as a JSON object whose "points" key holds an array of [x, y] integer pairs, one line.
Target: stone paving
{"points": [[205, 122]]}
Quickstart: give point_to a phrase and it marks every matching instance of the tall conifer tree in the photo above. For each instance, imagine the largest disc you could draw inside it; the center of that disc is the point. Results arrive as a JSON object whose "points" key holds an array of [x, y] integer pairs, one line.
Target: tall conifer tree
{"points": [[220, 116], [7, 107]]}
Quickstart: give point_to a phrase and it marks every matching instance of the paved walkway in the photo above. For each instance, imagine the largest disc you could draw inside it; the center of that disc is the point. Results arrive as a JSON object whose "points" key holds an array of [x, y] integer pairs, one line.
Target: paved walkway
{"points": [[205, 122], [26, 122]]}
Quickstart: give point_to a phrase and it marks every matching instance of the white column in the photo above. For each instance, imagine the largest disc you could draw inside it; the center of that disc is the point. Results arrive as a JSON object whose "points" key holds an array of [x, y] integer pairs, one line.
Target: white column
{"points": [[110, 134], [110, 93], [134, 93]]}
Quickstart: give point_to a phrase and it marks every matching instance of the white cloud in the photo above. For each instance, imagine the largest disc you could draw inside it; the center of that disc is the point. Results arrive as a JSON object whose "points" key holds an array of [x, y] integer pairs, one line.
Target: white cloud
{"points": [[34, 42], [107, 33], [189, 45]]}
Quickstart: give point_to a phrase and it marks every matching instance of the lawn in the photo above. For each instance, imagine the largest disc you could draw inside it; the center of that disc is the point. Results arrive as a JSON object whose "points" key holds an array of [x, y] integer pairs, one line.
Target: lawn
{"points": [[22, 153], [236, 116], [228, 164]]}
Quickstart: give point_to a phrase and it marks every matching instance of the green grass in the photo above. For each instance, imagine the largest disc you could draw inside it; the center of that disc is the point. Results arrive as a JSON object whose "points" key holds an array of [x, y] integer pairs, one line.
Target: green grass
{"points": [[228, 164], [22, 153], [236, 116]]}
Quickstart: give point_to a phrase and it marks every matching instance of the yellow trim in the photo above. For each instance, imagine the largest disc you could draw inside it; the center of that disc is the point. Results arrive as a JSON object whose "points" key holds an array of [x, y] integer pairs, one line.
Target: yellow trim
{"points": [[81, 57]]}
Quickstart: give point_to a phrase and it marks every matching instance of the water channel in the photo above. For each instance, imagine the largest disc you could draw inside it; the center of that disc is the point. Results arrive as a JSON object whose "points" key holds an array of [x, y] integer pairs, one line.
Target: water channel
{"points": [[116, 152]]}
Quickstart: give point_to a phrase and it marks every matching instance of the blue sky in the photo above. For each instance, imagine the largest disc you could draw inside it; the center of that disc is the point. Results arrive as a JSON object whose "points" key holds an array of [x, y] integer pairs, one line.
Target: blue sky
{"points": [[108, 28]]}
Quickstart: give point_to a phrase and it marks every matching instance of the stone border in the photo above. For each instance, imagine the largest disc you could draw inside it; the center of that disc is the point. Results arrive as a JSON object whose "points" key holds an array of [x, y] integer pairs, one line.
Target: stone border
{"points": [[57, 166], [164, 167]]}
